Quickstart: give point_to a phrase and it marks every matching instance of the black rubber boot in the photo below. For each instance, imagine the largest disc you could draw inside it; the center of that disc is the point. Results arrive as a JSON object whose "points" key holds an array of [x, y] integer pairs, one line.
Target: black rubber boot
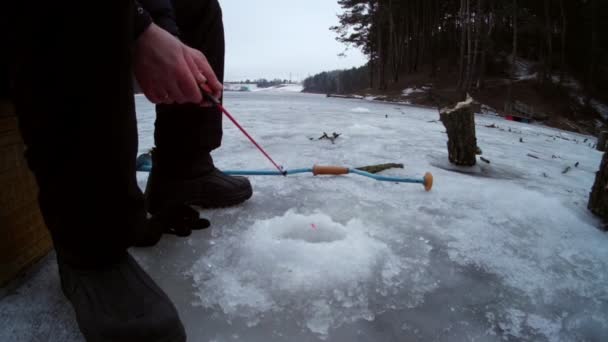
{"points": [[202, 185], [120, 302], [179, 220]]}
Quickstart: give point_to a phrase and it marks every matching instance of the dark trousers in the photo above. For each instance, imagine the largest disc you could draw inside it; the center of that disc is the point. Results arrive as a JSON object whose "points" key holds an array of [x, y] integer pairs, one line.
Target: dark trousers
{"points": [[75, 104]]}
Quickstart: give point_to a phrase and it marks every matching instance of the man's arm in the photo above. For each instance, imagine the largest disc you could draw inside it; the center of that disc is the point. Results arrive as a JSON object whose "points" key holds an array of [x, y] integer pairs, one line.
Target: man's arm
{"points": [[158, 11], [166, 69]]}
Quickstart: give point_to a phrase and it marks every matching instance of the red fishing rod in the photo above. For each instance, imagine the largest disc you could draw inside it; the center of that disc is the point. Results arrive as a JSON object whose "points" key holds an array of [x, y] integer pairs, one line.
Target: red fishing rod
{"points": [[206, 91]]}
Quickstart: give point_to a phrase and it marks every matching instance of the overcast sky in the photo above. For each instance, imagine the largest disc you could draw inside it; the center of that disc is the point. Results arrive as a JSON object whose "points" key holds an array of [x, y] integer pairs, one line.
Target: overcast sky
{"points": [[273, 38]]}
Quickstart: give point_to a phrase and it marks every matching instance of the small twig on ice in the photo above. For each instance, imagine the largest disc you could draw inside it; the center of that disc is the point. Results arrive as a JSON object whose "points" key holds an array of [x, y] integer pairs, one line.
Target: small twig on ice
{"points": [[331, 138]]}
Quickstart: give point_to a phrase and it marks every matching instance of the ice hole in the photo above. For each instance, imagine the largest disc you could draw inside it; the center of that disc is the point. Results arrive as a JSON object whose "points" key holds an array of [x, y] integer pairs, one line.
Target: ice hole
{"points": [[313, 233]]}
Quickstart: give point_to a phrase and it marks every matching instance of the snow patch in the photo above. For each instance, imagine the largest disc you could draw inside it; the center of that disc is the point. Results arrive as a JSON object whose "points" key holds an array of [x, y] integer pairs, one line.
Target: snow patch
{"points": [[487, 110], [282, 88], [414, 90], [248, 87], [240, 87], [459, 105], [525, 77], [601, 108], [360, 110]]}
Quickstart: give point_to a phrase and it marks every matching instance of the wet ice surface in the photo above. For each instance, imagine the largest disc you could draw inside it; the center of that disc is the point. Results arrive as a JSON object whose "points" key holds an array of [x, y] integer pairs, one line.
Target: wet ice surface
{"points": [[504, 252]]}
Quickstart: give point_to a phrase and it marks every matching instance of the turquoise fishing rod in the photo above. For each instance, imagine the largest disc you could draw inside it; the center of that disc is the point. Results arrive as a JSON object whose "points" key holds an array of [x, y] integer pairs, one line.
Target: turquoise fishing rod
{"points": [[144, 164]]}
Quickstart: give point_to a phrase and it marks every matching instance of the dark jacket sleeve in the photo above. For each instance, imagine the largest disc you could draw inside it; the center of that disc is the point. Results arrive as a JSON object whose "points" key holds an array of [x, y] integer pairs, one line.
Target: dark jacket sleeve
{"points": [[158, 11]]}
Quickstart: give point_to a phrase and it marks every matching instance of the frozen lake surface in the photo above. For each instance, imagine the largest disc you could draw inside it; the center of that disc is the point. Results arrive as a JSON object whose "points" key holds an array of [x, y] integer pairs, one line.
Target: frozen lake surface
{"points": [[504, 252]]}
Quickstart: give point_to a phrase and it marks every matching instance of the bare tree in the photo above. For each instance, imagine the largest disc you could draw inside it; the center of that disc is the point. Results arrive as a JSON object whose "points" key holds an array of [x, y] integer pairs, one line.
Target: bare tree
{"points": [[514, 53], [563, 45]]}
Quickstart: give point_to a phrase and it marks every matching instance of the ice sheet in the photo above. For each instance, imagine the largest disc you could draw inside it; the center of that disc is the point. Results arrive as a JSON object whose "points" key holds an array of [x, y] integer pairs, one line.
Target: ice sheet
{"points": [[505, 252]]}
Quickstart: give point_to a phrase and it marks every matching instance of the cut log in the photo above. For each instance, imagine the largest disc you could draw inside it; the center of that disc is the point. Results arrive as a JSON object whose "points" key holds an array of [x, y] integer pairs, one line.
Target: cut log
{"points": [[340, 96], [598, 199], [380, 167], [601, 141], [459, 122]]}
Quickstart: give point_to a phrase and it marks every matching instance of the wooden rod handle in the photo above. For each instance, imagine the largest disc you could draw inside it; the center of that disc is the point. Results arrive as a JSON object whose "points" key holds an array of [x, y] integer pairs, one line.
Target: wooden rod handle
{"points": [[428, 181], [329, 170]]}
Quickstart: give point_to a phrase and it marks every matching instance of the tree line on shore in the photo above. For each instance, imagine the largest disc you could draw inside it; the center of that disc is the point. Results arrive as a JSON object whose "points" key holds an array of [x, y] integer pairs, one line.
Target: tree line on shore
{"points": [[472, 39]]}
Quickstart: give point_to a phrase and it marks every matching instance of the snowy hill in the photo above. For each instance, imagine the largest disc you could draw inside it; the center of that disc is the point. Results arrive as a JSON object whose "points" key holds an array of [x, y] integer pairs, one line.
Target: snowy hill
{"points": [[289, 88], [283, 88], [504, 252]]}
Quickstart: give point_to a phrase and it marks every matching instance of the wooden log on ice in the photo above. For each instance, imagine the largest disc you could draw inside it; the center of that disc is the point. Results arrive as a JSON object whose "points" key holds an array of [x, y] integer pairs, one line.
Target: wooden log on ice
{"points": [[598, 198], [601, 141], [459, 122], [379, 167], [340, 96]]}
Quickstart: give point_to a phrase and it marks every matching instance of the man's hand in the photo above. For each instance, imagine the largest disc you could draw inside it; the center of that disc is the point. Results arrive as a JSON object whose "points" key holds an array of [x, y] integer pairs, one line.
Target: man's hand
{"points": [[168, 71]]}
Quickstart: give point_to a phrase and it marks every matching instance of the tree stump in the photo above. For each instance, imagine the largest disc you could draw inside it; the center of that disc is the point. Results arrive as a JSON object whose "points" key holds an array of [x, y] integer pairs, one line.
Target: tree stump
{"points": [[459, 122], [602, 138], [598, 199]]}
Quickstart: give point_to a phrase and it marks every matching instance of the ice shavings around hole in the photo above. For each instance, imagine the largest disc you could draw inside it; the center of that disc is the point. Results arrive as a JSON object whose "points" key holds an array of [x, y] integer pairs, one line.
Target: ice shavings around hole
{"points": [[331, 274]]}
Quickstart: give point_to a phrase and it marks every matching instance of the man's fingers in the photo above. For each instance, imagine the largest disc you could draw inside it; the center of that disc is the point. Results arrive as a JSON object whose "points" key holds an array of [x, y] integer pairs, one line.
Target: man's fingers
{"points": [[198, 75], [200, 79], [207, 71], [189, 89], [188, 82]]}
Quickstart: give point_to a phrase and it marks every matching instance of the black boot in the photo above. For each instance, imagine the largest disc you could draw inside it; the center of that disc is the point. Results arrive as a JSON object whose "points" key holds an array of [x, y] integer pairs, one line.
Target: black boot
{"points": [[179, 220], [120, 302], [200, 183]]}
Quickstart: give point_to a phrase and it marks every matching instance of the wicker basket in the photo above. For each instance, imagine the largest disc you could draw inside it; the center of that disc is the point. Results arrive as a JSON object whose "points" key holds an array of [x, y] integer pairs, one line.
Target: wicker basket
{"points": [[24, 238]]}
